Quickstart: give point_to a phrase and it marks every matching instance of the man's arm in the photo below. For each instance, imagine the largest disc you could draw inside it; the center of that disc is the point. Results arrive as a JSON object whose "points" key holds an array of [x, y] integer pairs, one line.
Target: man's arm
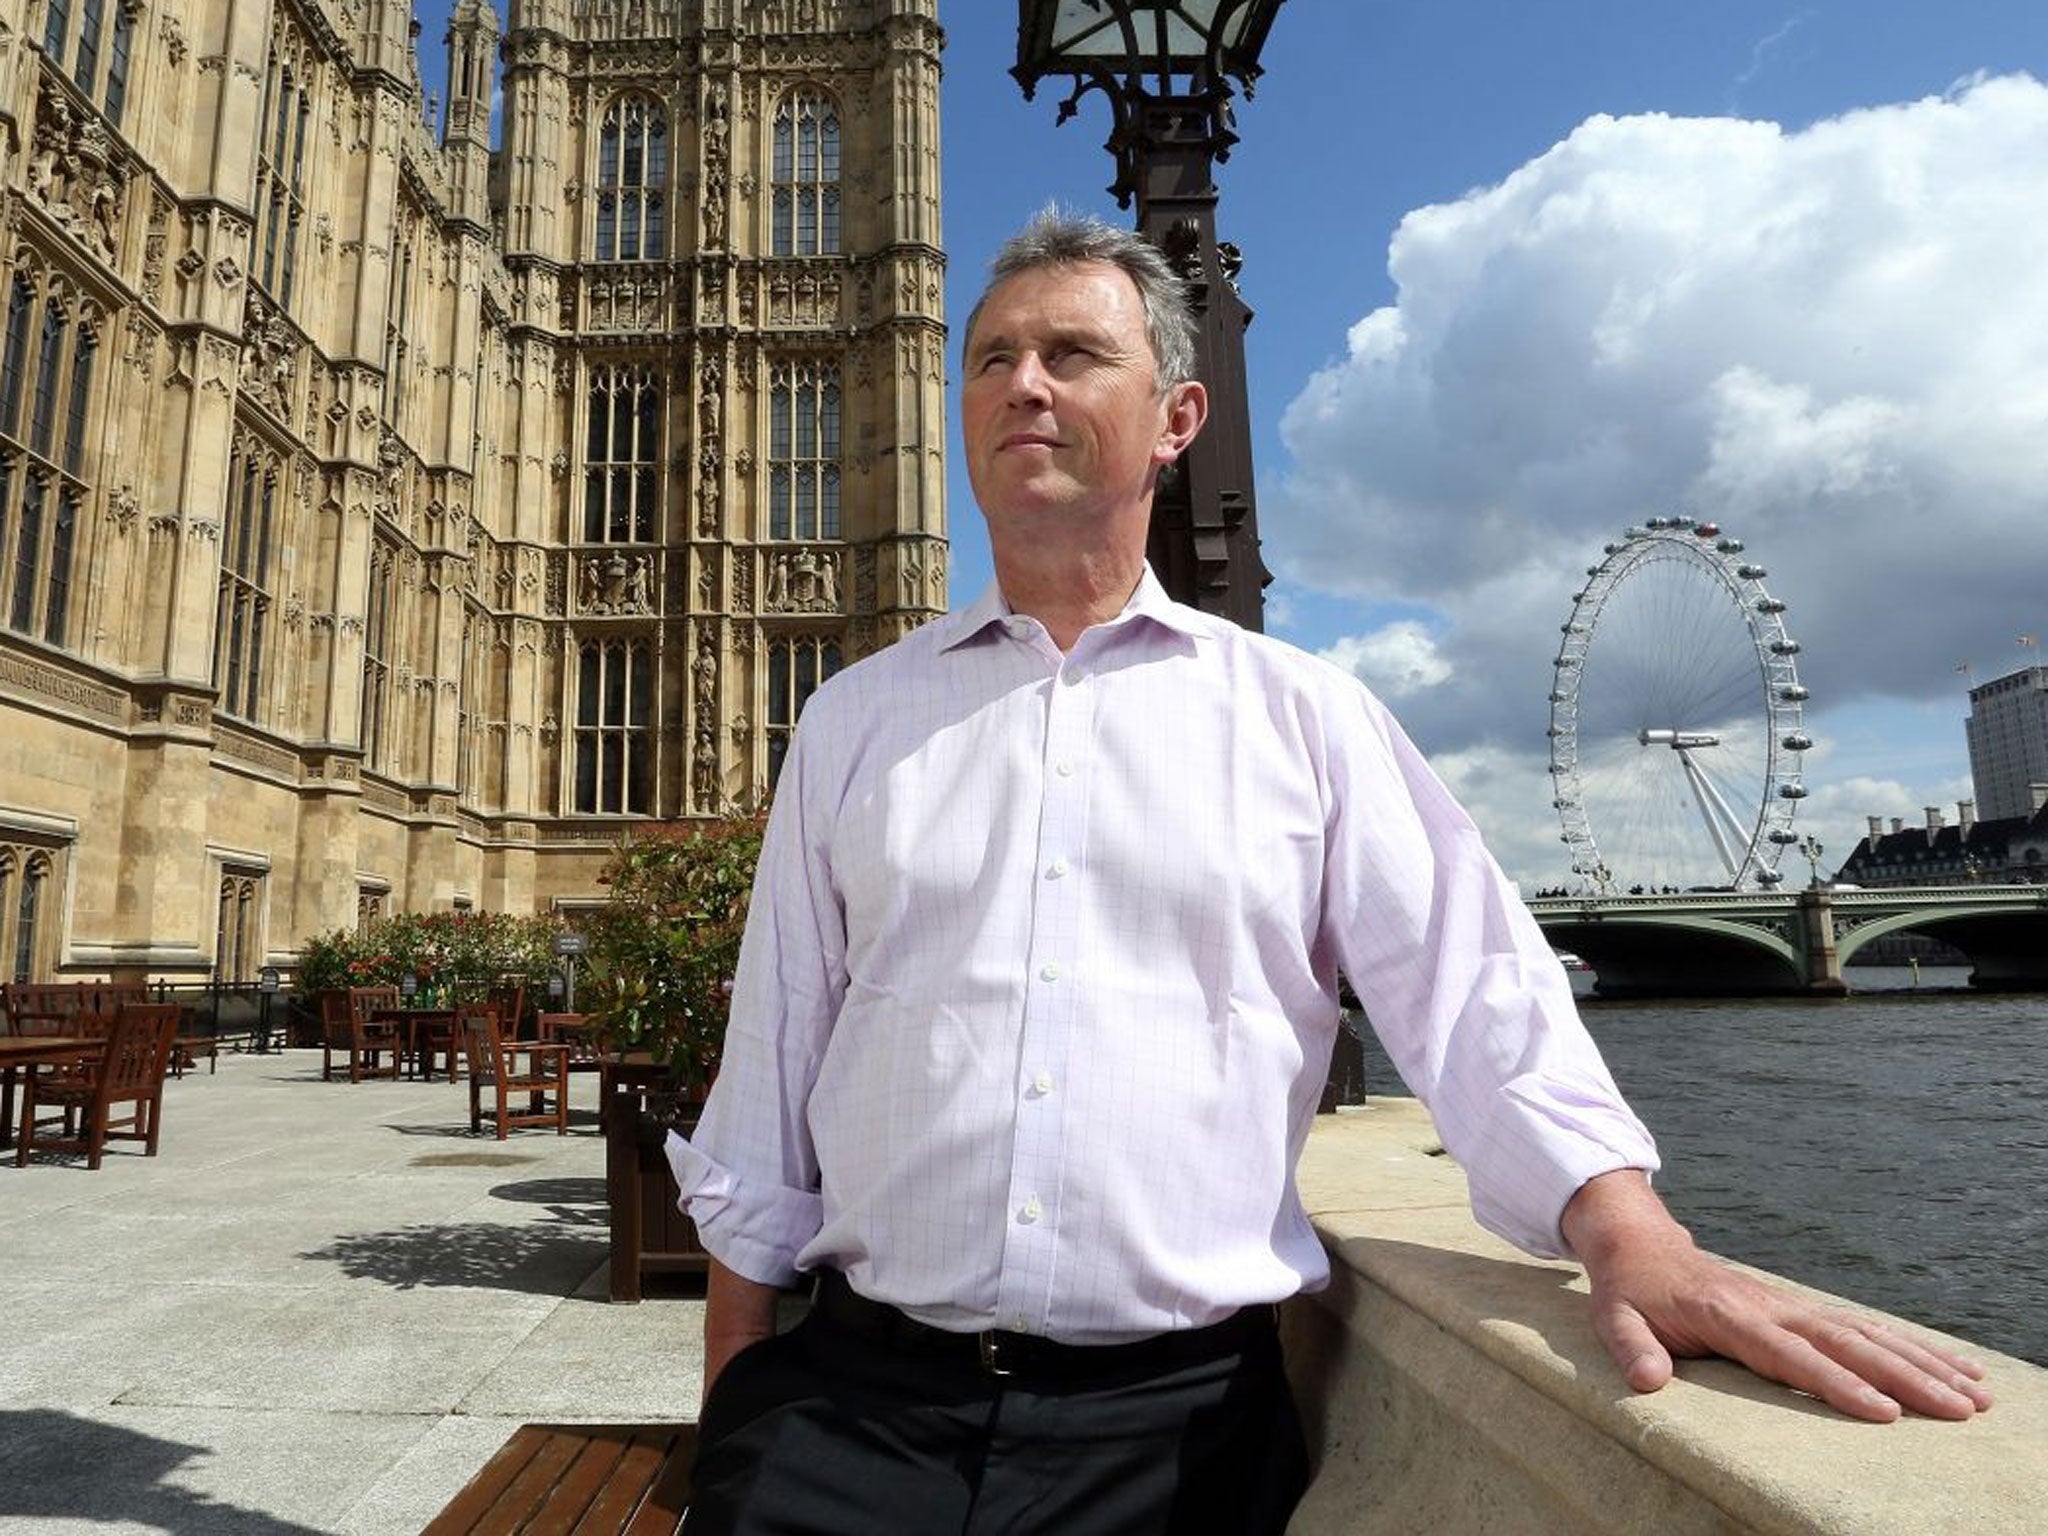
{"points": [[737, 1312], [1655, 1295]]}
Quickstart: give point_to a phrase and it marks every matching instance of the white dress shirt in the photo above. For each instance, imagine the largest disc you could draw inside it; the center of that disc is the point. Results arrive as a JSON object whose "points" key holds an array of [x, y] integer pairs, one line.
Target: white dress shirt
{"points": [[1039, 985]]}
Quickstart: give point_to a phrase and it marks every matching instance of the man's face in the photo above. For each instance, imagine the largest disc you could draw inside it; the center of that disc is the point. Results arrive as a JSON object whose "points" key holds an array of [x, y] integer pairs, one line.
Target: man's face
{"points": [[1061, 410]]}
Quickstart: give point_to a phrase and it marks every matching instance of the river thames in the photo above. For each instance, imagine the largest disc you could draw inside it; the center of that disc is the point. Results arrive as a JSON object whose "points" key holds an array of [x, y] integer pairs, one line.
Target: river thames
{"points": [[1891, 1147]]}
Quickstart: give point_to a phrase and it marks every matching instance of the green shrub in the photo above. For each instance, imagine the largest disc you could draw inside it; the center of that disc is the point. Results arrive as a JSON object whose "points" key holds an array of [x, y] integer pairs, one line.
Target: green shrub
{"points": [[664, 949]]}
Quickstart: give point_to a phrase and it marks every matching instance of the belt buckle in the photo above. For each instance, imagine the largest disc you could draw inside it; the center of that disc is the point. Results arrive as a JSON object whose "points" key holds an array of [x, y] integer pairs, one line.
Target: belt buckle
{"points": [[991, 1357]]}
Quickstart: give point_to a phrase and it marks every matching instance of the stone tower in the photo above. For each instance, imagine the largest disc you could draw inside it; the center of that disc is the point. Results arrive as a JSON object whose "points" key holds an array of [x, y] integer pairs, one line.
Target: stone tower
{"points": [[391, 521]]}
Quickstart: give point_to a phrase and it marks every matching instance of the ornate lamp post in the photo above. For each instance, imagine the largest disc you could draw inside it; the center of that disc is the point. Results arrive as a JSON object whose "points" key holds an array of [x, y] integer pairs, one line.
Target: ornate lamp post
{"points": [[1810, 847], [1165, 66]]}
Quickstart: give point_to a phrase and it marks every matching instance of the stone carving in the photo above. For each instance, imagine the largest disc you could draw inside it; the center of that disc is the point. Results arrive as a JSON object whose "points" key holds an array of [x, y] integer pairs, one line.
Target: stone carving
{"points": [[72, 173], [123, 508], [710, 497], [270, 356], [615, 584], [743, 583], [155, 246], [227, 272], [912, 578], [704, 769], [717, 156], [804, 581], [803, 299]]}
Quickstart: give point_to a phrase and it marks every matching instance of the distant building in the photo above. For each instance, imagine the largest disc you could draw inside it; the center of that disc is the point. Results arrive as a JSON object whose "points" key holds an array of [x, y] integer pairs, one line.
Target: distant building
{"points": [[2008, 731], [2007, 850]]}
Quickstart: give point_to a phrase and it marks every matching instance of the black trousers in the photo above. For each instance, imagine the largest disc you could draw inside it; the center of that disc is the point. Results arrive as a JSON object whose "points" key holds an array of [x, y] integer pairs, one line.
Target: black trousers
{"points": [[826, 1432]]}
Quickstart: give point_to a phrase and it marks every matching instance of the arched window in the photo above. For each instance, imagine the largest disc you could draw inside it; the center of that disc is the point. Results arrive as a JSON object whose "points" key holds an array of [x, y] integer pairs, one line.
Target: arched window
{"points": [[75, 40], [614, 743], [281, 176], [803, 451], [46, 384], [632, 177], [797, 664], [622, 458], [236, 940], [242, 622], [28, 909], [377, 648], [806, 180], [21, 303]]}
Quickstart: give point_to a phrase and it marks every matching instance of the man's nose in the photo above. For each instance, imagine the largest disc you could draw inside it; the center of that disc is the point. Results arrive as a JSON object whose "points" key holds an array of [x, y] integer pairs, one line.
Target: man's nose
{"points": [[1029, 382]]}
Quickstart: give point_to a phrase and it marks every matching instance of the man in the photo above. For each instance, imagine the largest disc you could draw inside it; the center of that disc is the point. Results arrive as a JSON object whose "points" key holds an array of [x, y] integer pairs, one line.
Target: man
{"points": [[1039, 991]]}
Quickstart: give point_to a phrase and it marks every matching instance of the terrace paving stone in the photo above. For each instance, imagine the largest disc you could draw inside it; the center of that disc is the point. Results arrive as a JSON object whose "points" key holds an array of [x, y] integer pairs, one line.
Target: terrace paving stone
{"points": [[320, 1308]]}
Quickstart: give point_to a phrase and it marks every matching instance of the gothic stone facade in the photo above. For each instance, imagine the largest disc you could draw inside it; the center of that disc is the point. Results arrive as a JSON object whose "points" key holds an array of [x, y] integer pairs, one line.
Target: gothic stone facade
{"points": [[388, 522]]}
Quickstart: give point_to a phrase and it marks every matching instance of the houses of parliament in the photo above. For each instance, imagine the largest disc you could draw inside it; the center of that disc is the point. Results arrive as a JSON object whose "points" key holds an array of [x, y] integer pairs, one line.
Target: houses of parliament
{"points": [[389, 521]]}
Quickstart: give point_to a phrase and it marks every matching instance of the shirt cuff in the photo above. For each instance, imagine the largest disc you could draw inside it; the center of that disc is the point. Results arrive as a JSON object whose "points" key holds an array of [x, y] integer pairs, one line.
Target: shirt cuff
{"points": [[755, 1230], [1546, 1139]]}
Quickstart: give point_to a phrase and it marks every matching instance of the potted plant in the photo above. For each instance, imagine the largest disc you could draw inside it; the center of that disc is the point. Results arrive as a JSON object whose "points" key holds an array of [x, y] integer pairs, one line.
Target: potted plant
{"points": [[658, 985]]}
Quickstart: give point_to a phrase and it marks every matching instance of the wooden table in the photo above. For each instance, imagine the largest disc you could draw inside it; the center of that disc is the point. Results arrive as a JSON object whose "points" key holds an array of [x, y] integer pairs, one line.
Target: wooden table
{"points": [[578, 1479], [415, 1050], [27, 1052]]}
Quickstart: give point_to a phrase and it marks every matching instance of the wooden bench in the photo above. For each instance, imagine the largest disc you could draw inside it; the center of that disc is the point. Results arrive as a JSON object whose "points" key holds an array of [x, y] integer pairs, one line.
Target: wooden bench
{"points": [[578, 1480]]}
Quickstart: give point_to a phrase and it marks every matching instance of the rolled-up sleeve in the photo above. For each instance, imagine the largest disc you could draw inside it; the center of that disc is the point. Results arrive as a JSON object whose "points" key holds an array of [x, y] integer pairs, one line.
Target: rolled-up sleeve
{"points": [[748, 1173], [1463, 989]]}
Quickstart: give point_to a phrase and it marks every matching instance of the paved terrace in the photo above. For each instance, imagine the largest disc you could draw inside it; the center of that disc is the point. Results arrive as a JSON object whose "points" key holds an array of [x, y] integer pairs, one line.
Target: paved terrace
{"points": [[320, 1307]]}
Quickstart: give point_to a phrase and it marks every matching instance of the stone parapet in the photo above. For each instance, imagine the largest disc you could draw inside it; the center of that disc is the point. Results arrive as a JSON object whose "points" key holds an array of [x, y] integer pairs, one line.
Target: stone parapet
{"points": [[1453, 1384]]}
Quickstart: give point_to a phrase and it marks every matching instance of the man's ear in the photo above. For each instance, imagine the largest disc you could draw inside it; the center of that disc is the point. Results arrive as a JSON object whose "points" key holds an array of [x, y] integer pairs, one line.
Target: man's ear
{"points": [[1187, 407]]}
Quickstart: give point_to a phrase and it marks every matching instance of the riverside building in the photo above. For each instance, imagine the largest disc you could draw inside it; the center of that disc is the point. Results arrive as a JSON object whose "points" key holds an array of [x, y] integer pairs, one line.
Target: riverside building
{"points": [[2008, 734], [388, 521]]}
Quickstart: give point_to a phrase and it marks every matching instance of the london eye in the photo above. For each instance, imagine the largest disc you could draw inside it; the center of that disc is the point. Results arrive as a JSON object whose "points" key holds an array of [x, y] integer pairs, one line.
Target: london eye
{"points": [[1677, 731]]}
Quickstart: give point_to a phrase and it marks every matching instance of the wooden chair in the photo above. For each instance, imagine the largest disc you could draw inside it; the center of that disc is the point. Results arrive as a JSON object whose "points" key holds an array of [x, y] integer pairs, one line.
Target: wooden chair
{"points": [[508, 1001], [129, 1071], [577, 1032], [347, 1025], [494, 1064]]}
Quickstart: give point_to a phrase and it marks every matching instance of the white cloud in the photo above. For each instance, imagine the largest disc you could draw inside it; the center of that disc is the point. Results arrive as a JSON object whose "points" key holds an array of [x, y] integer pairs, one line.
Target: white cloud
{"points": [[1395, 661], [1834, 342]]}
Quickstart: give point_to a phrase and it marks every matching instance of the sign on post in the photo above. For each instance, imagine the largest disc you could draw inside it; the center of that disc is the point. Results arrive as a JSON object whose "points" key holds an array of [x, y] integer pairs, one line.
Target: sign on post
{"points": [[568, 945]]}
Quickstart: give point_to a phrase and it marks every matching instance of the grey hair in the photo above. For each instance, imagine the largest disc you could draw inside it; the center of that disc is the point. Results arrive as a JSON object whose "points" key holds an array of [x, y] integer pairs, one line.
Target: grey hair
{"points": [[1055, 238]]}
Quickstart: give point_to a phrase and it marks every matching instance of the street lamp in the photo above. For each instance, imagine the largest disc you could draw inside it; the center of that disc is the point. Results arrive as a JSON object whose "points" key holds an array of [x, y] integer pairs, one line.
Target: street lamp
{"points": [[1810, 846], [1166, 67]]}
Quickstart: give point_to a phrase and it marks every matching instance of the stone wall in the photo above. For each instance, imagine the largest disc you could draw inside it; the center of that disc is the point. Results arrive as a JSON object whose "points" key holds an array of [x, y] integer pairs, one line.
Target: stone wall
{"points": [[1453, 1384]]}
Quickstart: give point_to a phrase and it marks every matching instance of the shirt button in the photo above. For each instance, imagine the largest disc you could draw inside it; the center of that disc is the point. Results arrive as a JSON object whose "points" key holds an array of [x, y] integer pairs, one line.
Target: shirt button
{"points": [[1048, 973], [1017, 628], [1031, 1212], [1020, 1324], [1042, 1084], [1063, 768], [1055, 869]]}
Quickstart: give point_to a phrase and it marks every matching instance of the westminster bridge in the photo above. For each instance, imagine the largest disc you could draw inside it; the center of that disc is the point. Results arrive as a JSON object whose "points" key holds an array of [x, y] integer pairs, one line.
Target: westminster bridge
{"points": [[1729, 943]]}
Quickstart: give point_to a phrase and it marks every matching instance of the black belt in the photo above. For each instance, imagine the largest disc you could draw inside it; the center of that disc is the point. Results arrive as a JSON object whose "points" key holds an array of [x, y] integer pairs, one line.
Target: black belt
{"points": [[1000, 1352]]}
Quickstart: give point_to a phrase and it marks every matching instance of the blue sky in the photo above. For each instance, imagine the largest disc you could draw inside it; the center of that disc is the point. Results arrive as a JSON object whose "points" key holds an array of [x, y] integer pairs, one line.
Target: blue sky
{"points": [[1525, 274]]}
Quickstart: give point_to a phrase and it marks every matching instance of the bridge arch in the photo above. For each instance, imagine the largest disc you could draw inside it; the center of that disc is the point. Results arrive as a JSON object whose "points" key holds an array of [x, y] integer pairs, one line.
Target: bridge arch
{"points": [[1690, 954], [2008, 950]]}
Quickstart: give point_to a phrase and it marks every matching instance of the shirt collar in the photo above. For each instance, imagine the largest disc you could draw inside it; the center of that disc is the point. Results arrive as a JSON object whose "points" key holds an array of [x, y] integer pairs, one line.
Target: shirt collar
{"points": [[1147, 601]]}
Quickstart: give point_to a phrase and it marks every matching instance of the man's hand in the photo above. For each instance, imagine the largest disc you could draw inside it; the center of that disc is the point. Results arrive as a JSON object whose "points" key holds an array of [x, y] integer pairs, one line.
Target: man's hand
{"points": [[1655, 1295]]}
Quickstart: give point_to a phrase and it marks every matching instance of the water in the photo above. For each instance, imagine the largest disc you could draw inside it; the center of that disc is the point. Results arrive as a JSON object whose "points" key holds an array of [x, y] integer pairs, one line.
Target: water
{"points": [[1891, 1147]]}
